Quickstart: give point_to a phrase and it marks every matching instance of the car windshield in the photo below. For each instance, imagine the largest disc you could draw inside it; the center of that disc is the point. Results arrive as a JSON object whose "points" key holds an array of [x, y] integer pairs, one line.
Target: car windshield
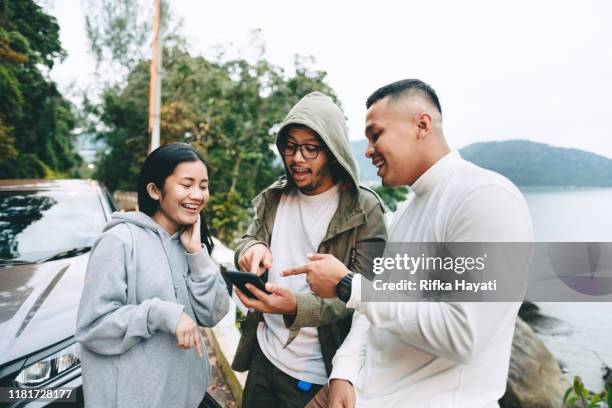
{"points": [[35, 225]]}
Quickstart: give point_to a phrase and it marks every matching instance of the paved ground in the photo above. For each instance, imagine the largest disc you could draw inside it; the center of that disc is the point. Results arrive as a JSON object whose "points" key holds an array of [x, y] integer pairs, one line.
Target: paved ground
{"points": [[217, 387]]}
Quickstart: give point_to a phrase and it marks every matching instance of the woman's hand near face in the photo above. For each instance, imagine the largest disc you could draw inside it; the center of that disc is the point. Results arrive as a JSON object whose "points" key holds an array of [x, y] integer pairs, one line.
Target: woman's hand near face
{"points": [[187, 334], [191, 239]]}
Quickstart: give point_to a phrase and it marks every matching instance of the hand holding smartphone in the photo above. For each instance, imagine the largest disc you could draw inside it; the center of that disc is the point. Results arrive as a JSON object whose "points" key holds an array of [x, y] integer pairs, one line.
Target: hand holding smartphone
{"points": [[240, 279]]}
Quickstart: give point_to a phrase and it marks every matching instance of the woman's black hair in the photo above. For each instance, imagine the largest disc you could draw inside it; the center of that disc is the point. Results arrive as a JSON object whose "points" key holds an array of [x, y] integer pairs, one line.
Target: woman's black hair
{"points": [[157, 167]]}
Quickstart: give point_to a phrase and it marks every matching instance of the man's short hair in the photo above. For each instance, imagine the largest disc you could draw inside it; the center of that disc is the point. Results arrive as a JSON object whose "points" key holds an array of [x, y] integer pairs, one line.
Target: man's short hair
{"points": [[404, 87]]}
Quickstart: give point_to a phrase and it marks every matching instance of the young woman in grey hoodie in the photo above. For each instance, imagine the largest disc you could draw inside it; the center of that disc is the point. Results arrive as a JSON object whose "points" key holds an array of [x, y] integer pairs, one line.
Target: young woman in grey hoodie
{"points": [[150, 282]]}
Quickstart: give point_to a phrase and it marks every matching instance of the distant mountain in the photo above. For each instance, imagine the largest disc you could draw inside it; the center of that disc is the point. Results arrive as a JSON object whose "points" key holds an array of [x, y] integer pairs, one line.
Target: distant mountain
{"points": [[536, 164], [525, 163]]}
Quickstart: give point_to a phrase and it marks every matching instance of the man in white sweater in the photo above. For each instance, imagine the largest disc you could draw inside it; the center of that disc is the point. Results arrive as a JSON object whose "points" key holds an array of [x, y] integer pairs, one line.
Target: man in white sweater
{"points": [[424, 354]]}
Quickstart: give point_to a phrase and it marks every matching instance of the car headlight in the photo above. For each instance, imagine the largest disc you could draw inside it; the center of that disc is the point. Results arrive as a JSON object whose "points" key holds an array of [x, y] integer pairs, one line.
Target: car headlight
{"points": [[49, 367]]}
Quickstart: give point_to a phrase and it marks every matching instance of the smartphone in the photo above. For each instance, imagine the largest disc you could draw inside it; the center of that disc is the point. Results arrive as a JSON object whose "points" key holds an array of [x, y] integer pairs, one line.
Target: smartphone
{"points": [[240, 279]]}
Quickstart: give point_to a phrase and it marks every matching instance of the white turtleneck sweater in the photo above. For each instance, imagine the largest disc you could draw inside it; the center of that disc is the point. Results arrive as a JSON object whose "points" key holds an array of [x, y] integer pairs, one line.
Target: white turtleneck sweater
{"points": [[436, 354]]}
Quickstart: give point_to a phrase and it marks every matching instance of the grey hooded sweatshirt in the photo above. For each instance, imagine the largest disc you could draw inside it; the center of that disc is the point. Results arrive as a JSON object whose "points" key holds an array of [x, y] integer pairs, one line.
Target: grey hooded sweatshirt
{"points": [[139, 280]]}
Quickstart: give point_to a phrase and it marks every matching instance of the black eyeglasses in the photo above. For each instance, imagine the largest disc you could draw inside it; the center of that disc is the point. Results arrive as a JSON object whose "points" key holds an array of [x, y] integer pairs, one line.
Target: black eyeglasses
{"points": [[309, 151]]}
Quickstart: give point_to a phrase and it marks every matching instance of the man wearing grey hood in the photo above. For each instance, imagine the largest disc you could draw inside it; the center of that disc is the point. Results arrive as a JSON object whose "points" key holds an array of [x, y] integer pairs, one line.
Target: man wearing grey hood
{"points": [[317, 210], [140, 280]]}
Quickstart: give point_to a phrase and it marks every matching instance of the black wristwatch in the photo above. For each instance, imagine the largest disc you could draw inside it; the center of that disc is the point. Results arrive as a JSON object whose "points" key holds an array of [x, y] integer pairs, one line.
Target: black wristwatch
{"points": [[343, 288]]}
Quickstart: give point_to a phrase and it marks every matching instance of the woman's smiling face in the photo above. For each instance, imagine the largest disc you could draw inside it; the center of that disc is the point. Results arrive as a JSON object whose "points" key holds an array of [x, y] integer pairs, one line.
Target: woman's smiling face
{"points": [[183, 197]]}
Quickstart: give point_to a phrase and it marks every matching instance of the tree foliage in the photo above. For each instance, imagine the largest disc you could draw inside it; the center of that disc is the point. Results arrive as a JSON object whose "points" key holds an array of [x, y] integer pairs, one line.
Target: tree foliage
{"points": [[580, 396], [119, 35], [392, 196], [229, 110], [35, 120]]}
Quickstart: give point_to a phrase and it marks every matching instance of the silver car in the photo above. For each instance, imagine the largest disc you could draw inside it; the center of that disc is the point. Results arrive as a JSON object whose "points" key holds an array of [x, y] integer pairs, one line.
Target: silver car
{"points": [[47, 228]]}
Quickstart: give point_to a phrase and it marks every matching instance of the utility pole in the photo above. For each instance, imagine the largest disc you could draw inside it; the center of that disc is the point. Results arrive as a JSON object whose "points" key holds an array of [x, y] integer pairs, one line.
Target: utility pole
{"points": [[155, 84]]}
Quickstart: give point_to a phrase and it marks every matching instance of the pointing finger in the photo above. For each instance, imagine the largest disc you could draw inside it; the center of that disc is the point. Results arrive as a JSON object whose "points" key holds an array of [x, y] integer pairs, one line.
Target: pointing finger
{"points": [[317, 257], [295, 271], [267, 262], [255, 260], [243, 264]]}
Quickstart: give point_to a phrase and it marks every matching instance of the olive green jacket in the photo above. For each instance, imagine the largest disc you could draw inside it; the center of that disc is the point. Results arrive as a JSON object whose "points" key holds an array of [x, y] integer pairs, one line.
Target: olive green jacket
{"points": [[356, 235]]}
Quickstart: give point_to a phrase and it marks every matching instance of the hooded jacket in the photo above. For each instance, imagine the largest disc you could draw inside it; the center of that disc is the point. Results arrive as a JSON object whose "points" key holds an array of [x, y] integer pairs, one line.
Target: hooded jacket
{"points": [[356, 233], [139, 281]]}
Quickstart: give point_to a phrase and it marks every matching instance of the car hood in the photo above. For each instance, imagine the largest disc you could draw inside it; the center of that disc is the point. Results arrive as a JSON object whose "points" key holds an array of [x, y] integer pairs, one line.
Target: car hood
{"points": [[38, 305]]}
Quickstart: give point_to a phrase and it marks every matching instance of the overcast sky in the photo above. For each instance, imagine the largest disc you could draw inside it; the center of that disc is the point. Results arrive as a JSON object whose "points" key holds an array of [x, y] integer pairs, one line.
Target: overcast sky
{"points": [[537, 70]]}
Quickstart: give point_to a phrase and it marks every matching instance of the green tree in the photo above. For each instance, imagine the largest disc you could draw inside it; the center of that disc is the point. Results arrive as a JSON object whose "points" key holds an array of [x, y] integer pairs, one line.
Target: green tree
{"points": [[229, 110], [119, 35], [35, 120], [392, 196]]}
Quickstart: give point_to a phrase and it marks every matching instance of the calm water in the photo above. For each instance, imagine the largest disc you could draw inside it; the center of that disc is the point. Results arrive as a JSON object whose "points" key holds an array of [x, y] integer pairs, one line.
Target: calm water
{"points": [[574, 215], [581, 214]]}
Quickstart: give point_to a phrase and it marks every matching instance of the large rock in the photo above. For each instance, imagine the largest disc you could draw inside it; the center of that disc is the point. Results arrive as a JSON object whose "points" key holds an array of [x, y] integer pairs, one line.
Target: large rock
{"points": [[535, 379], [543, 324]]}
